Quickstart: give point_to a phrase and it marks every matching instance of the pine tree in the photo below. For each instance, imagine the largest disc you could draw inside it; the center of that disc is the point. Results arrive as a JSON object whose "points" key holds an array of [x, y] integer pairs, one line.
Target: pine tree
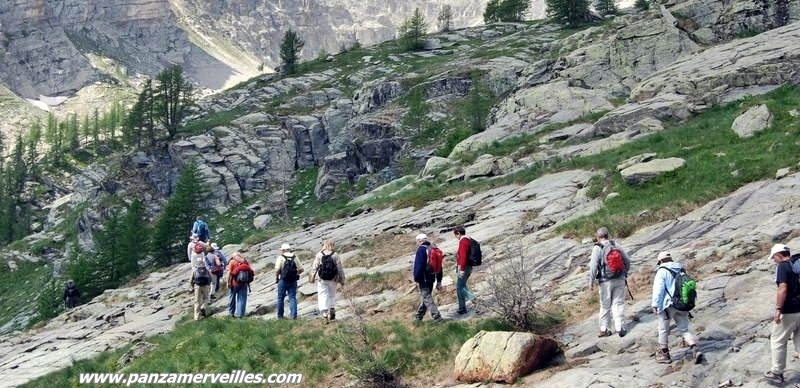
{"points": [[642, 5], [32, 141], [605, 7], [412, 31], [71, 134], [290, 48], [569, 12], [477, 107], [171, 97], [134, 238], [445, 18], [513, 10], [491, 14], [96, 127], [172, 227], [418, 108]]}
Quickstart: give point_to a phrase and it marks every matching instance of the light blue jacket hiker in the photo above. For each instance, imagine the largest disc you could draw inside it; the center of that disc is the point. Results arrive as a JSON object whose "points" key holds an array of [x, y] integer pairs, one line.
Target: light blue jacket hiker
{"points": [[664, 282]]}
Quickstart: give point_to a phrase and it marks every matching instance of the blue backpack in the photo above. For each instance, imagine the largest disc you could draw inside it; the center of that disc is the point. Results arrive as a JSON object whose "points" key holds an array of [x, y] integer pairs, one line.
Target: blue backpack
{"points": [[202, 229]]}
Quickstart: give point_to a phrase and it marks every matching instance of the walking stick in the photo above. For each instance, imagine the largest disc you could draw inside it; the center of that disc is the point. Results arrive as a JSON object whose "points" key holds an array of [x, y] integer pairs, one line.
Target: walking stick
{"points": [[628, 288]]}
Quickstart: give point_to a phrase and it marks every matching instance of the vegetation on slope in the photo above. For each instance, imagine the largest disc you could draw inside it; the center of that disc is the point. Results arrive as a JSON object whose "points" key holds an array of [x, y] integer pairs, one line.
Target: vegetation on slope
{"points": [[320, 352]]}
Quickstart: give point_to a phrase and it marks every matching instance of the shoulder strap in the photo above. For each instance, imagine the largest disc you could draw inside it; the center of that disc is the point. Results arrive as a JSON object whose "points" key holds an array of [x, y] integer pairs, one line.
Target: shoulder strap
{"points": [[674, 274]]}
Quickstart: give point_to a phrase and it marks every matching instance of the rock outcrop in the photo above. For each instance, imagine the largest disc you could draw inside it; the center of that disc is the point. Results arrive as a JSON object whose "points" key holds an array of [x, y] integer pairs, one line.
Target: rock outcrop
{"points": [[502, 356]]}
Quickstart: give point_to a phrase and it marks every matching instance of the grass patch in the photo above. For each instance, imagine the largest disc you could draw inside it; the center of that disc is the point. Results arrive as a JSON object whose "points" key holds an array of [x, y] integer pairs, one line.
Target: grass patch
{"points": [[717, 163], [16, 297], [317, 351], [213, 120]]}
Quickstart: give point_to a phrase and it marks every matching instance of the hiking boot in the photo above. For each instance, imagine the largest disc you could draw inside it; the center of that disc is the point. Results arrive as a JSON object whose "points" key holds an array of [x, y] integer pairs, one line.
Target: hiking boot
{"points": [[663, 357], [332, 314], [461, 311], [697, 355], [774, 377], [604, 333], [203, 312], [622, 333], [437, 318]]}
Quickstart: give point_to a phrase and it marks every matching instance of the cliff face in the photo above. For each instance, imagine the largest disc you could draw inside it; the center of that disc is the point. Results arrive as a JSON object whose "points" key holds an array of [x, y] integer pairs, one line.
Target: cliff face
{"points": [[47, 45], [324, 24]]}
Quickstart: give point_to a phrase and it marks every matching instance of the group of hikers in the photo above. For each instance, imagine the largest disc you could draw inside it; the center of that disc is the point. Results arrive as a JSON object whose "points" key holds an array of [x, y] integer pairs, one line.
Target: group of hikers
{"points": [[209, 265], [673, 297]]}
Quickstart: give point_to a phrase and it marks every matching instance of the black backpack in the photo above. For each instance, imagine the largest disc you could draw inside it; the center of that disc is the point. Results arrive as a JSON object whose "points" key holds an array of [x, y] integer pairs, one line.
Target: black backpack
{"points": [[201, 276], [684, 294], [474, 256], [289, 270], [71, 291], [327, 268]]}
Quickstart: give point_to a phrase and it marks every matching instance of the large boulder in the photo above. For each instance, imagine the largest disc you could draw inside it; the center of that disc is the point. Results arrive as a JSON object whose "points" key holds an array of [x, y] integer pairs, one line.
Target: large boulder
{"points": [[502, 356], [642, 172], [754, 120]]}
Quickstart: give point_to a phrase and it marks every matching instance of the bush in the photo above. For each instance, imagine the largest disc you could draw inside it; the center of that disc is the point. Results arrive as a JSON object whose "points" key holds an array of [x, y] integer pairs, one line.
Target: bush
{"points": [[514, 299], [369, 366]]}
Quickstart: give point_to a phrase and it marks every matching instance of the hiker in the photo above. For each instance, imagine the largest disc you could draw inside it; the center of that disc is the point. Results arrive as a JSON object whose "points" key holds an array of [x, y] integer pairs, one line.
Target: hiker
{"points": [[424, 278], [287, 273], [215, 262], [608, 267], [198, 252], [238, 286], [190, 247], [661, 302], [327, 271], [463, 269], [200, 282], [200, 228], [786, 317], [72, 295]]}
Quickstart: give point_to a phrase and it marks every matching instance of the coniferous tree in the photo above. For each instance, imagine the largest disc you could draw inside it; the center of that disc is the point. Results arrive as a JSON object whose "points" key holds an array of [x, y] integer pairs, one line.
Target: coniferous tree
{"points": [[86, 129], [412, 31], [569, 12], [491, 14], [513, 10], [172, 228], [96, 127], [172, 96], [505, 11], [71, 134], [477, 107], [445, 18], [291, 44], [134, 237], [418, 108], [32, 141], [642, 5], [605, 7], [140, 121]]}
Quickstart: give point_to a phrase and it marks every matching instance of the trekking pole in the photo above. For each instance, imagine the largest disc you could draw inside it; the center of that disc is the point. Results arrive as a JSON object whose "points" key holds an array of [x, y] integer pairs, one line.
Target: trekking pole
{"points": [[628, 288]]}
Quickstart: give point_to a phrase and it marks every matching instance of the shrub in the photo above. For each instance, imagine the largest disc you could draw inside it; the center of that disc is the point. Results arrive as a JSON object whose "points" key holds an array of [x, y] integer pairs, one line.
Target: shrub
{"points": [[513, 297]]}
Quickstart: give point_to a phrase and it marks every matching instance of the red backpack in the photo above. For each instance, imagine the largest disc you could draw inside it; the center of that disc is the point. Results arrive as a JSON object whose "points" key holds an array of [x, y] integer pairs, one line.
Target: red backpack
{"points": [[435, 258], [242, 273], [198, 247], [614, 265]]}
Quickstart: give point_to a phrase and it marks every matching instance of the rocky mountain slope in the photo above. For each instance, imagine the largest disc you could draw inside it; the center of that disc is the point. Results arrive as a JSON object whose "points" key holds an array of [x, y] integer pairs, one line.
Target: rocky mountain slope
{"points": [[638, 74]]}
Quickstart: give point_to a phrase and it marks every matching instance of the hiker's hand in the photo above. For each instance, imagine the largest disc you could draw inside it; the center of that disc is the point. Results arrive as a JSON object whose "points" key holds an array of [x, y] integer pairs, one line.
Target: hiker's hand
{"points": [[461, 273], [438, 286], [777, 318], [655, 310]]}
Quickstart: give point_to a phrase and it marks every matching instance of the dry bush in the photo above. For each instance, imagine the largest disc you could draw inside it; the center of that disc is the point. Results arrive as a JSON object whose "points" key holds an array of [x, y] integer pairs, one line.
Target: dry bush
{"points": [[364, 359], [514, 299]]}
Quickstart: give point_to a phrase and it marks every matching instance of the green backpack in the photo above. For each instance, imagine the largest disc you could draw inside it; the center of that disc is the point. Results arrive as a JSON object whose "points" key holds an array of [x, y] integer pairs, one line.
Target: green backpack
{"points": [[684, 294]]}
